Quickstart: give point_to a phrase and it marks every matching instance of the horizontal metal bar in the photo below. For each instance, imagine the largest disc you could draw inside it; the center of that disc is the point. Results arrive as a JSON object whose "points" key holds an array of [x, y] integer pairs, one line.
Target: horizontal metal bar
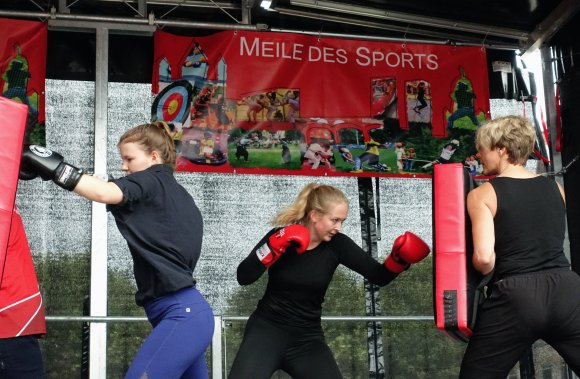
{"points": [[443, 37], [394, 39], [211, 25], [184, 3], [95, 318], [125, 22], [90, 25], [24, 14], [352, 318], [237, 318], [147, 25], [434, 22]]}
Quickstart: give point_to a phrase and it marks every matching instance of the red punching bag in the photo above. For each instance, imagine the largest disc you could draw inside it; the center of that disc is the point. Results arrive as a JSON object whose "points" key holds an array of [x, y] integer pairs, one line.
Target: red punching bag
{"points": [[12, 125], [455, 280]]}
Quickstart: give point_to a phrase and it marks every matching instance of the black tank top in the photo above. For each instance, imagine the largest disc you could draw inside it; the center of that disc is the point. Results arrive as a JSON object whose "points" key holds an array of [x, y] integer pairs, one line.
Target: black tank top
{"points": [[529, 226]]}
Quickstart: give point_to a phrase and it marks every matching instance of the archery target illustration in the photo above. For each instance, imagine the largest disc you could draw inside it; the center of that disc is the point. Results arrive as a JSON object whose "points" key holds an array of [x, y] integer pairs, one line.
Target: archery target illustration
{"points": [[173, 103]]}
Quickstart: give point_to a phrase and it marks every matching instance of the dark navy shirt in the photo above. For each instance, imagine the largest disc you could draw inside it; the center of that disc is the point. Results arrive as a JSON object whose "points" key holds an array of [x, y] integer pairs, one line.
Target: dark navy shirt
{"points": [[297, 283], [163, 228]]}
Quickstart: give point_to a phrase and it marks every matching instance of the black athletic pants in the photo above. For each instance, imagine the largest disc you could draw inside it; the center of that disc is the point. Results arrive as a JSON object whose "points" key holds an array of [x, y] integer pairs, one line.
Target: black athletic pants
{"points": [[20, 358], [267, 347], [522, 309]]}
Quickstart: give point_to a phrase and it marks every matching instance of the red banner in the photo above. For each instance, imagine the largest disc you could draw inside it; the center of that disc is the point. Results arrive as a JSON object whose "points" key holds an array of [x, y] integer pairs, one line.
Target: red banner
{"points": [[258, 102], [23, 69]]}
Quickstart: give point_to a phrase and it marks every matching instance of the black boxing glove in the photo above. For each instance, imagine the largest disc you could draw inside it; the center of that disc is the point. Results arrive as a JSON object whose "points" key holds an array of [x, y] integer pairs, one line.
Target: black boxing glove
{"points": [[49, 165], [26, 172]]}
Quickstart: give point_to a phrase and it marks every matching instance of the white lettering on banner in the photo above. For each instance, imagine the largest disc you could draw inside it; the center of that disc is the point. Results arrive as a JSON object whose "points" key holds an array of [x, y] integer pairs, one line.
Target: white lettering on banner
{"points": [[297, 51], [327, 55], [277, 50], [244, 44], [407, 59], [267, 49], [392, 59], [271, 49], [432, 59], [366, 57]]}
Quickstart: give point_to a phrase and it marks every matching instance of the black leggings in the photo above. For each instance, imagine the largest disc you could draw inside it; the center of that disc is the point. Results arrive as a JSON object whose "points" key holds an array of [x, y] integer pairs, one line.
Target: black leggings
{"points": [[522, 309], [267, 347], [20, 358]]}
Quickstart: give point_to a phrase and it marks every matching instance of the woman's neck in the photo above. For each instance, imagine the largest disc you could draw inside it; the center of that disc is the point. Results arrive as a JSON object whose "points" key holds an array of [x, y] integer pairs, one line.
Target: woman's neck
{"points": [[515, 171], [314, 242]]}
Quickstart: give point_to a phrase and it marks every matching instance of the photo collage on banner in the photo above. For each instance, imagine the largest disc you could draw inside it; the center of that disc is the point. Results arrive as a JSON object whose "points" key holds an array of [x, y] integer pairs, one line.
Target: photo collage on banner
{"points": [[279, 103], [23, 71]]}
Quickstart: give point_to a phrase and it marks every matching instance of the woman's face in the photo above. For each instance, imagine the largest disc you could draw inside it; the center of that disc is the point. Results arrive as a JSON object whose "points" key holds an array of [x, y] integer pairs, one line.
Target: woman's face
{"points": [[135, 158], [491, 160], [323, 226]]}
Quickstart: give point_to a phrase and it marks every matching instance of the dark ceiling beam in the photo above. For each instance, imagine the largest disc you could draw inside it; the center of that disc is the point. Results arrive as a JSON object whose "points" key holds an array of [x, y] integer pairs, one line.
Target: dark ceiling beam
{"points": [[143, 23], [442, 36], [247, 6], [182, 3], [546, 29], [63, 7], [124, 23], [142, 7], [413, 19]]}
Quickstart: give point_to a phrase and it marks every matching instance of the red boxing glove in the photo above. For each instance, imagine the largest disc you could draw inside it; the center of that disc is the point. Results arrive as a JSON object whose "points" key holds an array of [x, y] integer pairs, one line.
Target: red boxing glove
{"points": [[278, 242], [407, 249]]}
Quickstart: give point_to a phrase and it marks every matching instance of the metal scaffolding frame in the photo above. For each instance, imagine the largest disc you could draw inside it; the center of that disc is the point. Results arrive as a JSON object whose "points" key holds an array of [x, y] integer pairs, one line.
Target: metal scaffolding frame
{"points": [[217, 363], [147, 24]]}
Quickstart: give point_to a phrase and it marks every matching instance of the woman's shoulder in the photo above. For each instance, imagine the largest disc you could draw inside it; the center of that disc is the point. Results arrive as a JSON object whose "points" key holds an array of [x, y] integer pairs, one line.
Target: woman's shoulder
{"points": [[340, 241], [341, 237], [149, 179], [482, 192], [343, 246]]}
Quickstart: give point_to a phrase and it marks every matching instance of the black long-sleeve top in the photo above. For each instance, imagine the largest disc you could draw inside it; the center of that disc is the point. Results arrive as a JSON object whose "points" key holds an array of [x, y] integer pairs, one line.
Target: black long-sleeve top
{"points": [[297, 283]]}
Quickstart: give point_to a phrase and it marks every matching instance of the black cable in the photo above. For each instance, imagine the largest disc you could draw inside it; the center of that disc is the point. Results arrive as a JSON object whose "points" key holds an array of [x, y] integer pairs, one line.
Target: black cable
{"points": [[564, 169]]}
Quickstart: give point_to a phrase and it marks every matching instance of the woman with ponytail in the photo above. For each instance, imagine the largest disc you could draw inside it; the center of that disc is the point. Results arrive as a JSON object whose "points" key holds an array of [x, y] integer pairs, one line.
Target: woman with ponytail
{"points": [[149, 205], [301, 255]]}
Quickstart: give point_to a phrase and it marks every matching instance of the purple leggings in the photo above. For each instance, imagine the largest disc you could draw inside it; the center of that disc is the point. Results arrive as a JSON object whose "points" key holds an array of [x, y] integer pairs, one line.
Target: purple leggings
{"points": [[183, 326]]}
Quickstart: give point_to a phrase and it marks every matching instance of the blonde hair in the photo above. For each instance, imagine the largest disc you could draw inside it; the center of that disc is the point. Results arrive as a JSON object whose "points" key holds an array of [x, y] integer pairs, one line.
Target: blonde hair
{"points": [[514, 133], [155, 136], [319, 197]]}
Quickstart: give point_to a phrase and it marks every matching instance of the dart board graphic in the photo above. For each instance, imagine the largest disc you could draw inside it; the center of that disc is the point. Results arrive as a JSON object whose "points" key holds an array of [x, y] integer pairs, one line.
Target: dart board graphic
{"points": [[173, 103]]}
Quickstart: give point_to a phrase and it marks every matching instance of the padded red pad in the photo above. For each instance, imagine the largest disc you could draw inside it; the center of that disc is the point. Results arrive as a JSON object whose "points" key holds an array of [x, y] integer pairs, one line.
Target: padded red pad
{"points": [[454, 277], [12, 125]]}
